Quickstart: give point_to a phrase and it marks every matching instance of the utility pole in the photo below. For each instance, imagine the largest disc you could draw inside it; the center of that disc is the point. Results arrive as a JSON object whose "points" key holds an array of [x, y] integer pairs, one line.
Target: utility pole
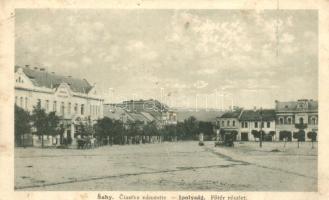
{"points": [[261, 126]]}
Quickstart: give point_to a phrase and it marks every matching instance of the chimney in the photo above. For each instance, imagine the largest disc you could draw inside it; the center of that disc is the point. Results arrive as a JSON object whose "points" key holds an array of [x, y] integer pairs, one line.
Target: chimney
{"points": [[27, 66], [35, 68], [42, 69]]}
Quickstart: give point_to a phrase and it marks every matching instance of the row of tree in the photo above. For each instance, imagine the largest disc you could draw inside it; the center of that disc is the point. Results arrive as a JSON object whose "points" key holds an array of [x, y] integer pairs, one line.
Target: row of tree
{"points": [[106, 130], [116, 132], [45, 124]]}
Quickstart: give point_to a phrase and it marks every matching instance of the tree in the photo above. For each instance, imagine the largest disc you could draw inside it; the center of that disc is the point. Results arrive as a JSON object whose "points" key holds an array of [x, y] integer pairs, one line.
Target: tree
{"points": [[312, 135], [285, 135], [191, 127], [299, 135], [53, 122], [22, 124], [40, 122], [150, 129], [255, 133], [206, 128]]}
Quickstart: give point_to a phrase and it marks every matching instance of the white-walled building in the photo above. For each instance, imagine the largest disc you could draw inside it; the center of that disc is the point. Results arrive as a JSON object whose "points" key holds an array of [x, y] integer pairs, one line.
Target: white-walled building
{"points": [[256, 120], [74, 100], [292, 113]]}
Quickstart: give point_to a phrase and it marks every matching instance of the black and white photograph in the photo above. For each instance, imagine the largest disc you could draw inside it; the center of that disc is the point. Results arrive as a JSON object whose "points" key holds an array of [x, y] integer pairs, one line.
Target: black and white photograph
{"points": [[166, 100]]}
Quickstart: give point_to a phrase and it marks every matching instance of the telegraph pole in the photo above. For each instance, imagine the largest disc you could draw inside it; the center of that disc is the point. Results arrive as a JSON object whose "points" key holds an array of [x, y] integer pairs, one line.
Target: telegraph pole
{"points": [[261, 126]]}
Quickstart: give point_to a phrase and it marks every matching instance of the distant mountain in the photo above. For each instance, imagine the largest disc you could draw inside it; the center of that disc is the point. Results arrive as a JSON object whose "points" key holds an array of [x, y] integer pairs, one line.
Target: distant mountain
{"points": [[201, 114]]}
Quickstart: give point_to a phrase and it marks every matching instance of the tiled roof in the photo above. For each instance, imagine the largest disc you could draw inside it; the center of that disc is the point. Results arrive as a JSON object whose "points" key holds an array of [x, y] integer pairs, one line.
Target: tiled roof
{"points": [[50, 80], [252, 115]]}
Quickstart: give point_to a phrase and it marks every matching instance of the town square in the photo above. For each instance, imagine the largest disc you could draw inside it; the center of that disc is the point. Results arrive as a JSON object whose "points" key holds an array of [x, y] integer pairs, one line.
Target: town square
{"points": [[166, 100]]}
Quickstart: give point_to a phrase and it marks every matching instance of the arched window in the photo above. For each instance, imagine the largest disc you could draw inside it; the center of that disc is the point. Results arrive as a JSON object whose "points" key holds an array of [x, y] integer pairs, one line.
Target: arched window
{"points": [[82, 109], [223, 123], [233, 122], [314, 120], [301, 120], [280, 120], [289, 120], [228, 123]]}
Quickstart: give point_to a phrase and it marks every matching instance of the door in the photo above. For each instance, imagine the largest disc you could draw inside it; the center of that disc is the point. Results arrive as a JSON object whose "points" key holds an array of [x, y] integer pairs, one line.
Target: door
{"points": [[244, 137]]}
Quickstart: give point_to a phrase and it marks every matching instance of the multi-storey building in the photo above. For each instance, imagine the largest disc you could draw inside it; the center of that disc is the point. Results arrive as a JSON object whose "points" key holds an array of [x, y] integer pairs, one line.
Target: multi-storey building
{"points": [[287, 117], [292, 113], [229, 122], [256, 120], [74, 100]]}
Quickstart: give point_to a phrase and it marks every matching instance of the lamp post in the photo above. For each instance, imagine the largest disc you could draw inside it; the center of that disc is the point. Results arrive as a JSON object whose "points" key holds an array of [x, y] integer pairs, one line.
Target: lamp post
{"points": [[261, 126]]}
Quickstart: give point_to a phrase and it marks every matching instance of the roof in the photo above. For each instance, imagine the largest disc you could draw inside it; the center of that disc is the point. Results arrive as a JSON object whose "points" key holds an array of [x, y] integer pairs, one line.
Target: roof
{"points": [[50, 80], [200, 115], [148, 116], [230, 114], [291, 106], [153, 103], [252, 115], [115, 113], [138, 117]]}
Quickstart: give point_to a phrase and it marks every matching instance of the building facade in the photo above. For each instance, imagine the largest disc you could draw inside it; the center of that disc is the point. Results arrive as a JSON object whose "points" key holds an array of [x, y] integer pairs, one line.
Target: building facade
{"points": [[74, 100], [256, 120], [287, 118], [292, 113], [229, 122]]}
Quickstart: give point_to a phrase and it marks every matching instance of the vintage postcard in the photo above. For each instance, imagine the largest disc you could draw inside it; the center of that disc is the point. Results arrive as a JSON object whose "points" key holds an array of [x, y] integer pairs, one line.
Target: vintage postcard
{"points": [[155, 100]]}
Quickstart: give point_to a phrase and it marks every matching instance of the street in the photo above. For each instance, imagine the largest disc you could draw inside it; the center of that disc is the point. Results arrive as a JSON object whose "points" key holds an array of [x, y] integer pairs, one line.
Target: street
{"points": [[170, 167]]}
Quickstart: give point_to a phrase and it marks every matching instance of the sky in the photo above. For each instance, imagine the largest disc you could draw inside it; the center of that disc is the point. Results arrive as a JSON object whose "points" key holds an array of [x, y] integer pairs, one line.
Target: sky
{"points": [[184, 58]]}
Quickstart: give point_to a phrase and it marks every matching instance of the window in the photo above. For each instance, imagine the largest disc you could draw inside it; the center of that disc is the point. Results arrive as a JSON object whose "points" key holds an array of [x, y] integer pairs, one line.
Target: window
{"points": [[69, 108], [313, 120], [21, 102], [268, 124], [228, 123], [82, 109], [47, 105], [76, 108], [242, 124], [256, 125], [301, 120], [246, 124], [62, 108], [55, 106], [223, 123], [262, 124], [280, 121], [233, 122], [289, 120]]}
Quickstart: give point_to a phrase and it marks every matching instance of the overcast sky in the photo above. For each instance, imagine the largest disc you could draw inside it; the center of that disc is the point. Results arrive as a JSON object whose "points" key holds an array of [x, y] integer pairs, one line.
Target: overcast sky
{"points": [[174, 55]]}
